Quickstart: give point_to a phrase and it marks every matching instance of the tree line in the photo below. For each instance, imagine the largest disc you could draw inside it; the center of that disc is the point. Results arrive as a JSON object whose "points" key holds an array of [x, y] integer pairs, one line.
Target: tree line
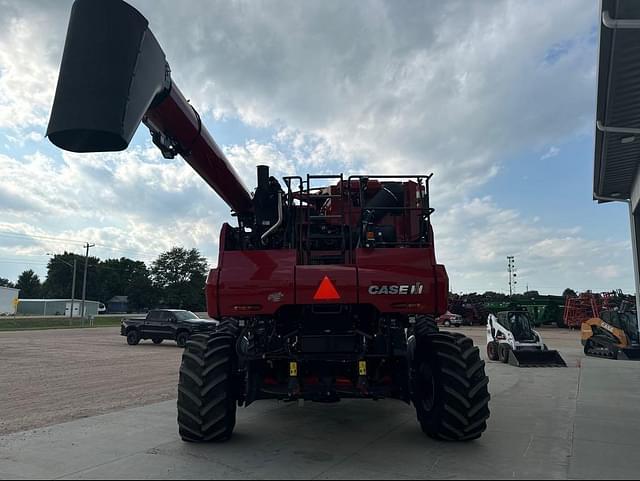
{"points": [[501, 296], [175, 279]]}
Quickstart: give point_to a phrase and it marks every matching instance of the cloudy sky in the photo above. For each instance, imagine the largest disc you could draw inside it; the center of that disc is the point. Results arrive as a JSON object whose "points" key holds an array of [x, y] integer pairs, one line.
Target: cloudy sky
{"points": [[495, 98]]}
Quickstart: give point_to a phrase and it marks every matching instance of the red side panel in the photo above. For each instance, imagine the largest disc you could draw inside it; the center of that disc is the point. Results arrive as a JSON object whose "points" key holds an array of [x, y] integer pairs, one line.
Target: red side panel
{"points": [[402, 280], [312, 288], [255, 282], [212, 293]]}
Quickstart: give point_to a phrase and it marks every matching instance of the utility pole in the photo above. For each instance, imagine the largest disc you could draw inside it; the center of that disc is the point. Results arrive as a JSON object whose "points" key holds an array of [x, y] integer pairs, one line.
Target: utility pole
{"points": [[84, 282], [73, 286], [511, 269]]}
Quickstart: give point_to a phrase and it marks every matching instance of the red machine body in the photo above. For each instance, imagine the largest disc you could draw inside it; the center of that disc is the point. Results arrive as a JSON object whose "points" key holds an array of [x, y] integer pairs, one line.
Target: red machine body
{"points": [[248, 283], [328, 242]]}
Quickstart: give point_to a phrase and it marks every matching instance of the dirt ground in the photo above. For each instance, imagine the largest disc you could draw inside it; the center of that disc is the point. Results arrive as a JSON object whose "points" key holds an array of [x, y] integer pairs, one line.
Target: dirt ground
{"points": [[52, 376], [49, 377]]}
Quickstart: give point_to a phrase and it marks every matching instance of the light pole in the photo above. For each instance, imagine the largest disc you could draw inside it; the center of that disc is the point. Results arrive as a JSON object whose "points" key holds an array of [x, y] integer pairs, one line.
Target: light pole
{"points": [[73, 282], [511, 269], [84, 282]]}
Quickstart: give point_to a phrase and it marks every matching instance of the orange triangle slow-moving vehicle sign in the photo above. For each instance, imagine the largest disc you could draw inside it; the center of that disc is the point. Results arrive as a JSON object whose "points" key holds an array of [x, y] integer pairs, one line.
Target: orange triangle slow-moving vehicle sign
{"points": [[326, 291]]}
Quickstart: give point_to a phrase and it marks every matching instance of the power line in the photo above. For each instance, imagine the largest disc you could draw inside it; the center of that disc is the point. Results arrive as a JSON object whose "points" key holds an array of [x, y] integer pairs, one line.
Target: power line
{"points": [[36, 236], [74, 241]]}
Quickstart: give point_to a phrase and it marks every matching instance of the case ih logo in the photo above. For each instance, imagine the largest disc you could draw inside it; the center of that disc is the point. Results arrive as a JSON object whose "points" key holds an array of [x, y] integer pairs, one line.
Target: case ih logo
{"points": [[399, 290]]}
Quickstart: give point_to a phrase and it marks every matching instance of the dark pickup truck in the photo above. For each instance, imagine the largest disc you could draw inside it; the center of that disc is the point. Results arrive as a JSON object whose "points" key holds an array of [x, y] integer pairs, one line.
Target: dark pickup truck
{"points": [[165, 324]]}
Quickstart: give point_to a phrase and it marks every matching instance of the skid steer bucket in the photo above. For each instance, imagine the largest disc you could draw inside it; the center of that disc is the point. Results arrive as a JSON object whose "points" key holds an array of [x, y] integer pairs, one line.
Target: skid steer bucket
{"points": [[536, 359]]}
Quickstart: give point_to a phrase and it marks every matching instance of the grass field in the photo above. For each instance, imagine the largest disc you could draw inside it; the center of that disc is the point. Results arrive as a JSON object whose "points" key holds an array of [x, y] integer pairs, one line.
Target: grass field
{"points": [[25, 323]]}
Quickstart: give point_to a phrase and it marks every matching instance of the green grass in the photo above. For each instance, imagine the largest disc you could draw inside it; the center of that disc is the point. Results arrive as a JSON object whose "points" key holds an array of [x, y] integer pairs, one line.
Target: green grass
{"points": [[23, 324]]}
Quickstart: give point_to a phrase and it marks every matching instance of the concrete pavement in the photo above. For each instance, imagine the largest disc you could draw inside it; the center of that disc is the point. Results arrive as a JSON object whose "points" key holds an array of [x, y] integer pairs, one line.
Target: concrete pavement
{"points": [[546, 423]]}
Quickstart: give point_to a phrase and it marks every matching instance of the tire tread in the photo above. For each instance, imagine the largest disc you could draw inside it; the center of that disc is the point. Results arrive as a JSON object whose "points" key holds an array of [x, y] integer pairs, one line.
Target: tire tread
{"points": [[462, 397], [206, 398]]}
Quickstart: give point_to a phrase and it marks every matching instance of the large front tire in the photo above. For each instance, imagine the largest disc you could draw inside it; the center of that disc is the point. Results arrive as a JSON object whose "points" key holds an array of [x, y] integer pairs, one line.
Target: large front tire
{"points": [[206, 392], [425, 325], [450, 391]]}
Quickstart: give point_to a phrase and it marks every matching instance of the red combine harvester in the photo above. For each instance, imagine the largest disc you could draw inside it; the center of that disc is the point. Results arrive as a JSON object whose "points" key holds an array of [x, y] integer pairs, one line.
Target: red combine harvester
{"points": [[323, 292]]}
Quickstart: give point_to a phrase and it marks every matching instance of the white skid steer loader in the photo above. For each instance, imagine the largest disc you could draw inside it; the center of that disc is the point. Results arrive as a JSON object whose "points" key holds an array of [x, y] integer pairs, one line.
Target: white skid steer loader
{"points": [[511, 339]]}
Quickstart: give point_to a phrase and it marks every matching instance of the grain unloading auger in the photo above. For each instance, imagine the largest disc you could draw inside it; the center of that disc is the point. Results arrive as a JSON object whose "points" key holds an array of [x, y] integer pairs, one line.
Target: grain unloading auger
{"points": [[323, 292]]}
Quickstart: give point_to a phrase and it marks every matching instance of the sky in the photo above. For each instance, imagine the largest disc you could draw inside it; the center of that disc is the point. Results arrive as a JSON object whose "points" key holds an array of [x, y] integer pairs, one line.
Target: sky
{"points": [[496, 98]]}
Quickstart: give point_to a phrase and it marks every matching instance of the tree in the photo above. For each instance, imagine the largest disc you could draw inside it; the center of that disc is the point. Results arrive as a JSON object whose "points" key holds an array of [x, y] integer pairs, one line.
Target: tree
{"points": [[29, 285], [180, 276], [569, 293], [495, 295], [6, 282], [118, 277], [60, 276]]}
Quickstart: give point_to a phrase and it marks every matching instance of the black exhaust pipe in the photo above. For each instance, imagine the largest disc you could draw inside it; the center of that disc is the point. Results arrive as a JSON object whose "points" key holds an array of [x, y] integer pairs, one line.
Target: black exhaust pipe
{"points": [[112, 71]]}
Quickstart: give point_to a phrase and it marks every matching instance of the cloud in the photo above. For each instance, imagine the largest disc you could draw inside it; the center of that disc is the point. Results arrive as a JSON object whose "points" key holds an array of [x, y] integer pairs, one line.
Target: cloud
{"points": [[474, 238], [30, 41], [441, 86], [608, 272], [552, 152]]}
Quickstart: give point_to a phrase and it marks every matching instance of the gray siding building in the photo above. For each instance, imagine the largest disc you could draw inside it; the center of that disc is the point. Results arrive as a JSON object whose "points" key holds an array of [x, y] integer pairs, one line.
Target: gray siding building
{"points": [[55, 307]]}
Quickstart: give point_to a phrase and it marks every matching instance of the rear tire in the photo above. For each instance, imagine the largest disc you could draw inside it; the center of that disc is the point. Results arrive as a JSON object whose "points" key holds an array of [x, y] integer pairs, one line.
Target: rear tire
{"points": [[492, 351], [206, 392], [157, 341], [450, 387], [133, 338]]}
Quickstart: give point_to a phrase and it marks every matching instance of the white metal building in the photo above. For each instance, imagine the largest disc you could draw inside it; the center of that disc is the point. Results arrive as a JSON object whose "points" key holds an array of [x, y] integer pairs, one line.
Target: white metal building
{"points": [[8, 300], [56, 307]]}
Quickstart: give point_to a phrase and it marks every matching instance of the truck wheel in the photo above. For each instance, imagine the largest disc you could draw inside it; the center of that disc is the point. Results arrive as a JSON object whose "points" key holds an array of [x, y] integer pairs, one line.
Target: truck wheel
{"points": [[447, 323], [503, 352], [450, 387], [206, 400], [492, 351], [182, 338], [157, 341], [133, 338]]}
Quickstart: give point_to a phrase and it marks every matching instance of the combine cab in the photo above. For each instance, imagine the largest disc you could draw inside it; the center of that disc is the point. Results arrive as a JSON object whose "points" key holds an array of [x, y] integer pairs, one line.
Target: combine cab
{"points": [[510, 339], [327, 287]]}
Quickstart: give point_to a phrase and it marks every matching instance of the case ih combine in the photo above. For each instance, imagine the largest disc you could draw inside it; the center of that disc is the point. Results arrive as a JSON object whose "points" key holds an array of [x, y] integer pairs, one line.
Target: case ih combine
{"points": [[324, 292]]}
